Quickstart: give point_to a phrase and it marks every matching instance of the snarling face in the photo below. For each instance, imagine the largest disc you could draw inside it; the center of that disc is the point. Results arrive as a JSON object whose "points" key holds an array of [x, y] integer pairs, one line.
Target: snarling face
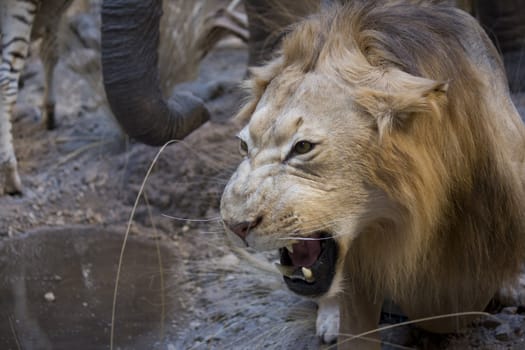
{"points": [[301, 186]]}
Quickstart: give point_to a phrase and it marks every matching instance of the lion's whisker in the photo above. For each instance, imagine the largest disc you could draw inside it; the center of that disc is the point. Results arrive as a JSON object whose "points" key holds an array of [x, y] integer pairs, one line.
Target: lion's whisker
{"points": [[191, 220], [296, 238], [209, 161]]}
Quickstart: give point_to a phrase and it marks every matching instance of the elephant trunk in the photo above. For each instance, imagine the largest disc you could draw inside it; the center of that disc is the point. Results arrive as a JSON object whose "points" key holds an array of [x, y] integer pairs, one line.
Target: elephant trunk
{"points": [[130, 39]]}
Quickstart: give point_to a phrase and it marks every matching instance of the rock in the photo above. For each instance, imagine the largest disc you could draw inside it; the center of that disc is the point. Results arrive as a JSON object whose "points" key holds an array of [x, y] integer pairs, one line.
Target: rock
{"points": [[86, 29], [503, 332], [10, 231], [164, 200], [490, 322], [60, 221], [85, 62], [511, 310], [31, 217], [93, 217], [90, 175], [49, 297], [228, 261]]}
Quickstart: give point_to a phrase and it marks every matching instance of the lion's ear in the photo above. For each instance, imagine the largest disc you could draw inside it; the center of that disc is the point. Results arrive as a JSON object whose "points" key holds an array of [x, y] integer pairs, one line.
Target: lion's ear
{"points": [[402, 97]]}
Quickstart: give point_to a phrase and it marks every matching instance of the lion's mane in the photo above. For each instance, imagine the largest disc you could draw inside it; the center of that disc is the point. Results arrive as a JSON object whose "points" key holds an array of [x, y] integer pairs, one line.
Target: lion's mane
{"points": [[450, 148]]}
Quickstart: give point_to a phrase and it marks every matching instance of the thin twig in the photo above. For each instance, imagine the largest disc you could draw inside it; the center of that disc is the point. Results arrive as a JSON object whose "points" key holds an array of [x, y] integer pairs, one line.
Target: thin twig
{"points": [[406, 323], [161, 269], [128, 229]]}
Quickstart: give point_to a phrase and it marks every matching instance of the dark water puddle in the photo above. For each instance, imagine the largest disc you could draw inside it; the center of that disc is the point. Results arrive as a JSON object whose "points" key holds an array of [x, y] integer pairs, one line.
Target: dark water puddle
{"points": [[56, 291]]}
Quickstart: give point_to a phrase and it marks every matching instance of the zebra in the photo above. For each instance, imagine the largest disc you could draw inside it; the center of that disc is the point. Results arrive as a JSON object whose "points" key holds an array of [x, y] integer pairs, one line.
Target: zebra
{"points": [[24, 20], [20, 22]]}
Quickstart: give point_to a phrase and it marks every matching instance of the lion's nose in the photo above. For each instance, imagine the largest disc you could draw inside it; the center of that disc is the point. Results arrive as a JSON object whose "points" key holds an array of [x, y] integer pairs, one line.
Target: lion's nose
{"points": [[242, 229]]}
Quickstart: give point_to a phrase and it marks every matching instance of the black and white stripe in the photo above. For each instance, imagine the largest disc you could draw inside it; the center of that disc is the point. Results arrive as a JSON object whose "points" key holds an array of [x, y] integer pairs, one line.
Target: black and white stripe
{"points": [[17, 18]]}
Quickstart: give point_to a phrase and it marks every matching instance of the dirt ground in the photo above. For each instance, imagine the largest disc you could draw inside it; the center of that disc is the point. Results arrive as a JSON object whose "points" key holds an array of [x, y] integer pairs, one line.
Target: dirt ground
{"points": [[61, 240]]}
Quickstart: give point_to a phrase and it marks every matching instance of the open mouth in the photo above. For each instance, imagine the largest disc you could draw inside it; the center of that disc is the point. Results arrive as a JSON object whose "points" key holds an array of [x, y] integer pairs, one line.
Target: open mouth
{"points": [[308, 266]]}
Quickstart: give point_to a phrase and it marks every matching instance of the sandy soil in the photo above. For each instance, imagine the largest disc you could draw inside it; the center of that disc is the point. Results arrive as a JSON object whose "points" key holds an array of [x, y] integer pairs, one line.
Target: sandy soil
{"points": [[84, 178]]}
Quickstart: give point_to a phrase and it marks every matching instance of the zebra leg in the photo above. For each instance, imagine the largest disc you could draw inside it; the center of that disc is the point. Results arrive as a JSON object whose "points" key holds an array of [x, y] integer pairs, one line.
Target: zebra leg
{"points": [[16, 22], [49, 55]]}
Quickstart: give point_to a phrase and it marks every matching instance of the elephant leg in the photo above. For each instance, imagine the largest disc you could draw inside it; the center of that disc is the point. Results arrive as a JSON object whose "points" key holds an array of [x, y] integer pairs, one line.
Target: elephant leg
{"points": [[504, 21]]}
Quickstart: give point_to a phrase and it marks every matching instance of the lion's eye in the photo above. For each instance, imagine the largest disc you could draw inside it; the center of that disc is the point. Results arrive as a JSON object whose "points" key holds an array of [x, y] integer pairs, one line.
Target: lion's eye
{"points": [[303, 147], [243, 147]]}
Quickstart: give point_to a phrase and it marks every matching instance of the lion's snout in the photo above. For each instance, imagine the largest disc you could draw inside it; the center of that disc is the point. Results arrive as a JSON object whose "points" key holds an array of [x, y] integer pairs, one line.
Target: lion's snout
{"points": [[243, 203], [239, 214], [242, 229]]}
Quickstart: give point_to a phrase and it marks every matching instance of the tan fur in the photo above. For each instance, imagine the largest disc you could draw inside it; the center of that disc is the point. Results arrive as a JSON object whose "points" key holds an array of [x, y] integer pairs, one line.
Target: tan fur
{"points": [[420, 172]]}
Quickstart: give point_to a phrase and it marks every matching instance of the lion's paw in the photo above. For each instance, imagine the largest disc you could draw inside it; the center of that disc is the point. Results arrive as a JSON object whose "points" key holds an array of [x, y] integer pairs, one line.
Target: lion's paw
{"points": [[327, 323], [513, 294]]}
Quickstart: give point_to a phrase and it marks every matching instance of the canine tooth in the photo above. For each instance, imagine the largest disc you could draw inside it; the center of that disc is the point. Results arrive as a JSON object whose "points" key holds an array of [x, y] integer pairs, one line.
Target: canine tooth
{"points": [[307, 272], [285, 270], [289, 247], [308, 275]]}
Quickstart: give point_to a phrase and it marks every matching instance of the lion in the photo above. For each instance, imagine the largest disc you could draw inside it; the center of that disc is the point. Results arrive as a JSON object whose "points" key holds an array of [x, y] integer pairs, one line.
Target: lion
{"points": [[383, 158]]}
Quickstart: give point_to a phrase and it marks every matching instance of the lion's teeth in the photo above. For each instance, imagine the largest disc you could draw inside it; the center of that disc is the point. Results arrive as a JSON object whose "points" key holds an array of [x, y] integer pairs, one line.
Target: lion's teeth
{"points": [[292, 272], [308, 275], [307, 272], [285, 270], [290, 248]]}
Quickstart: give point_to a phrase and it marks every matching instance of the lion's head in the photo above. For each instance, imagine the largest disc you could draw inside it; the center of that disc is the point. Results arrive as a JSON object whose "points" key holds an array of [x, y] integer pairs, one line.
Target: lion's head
{"points": [[376, 132]]}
